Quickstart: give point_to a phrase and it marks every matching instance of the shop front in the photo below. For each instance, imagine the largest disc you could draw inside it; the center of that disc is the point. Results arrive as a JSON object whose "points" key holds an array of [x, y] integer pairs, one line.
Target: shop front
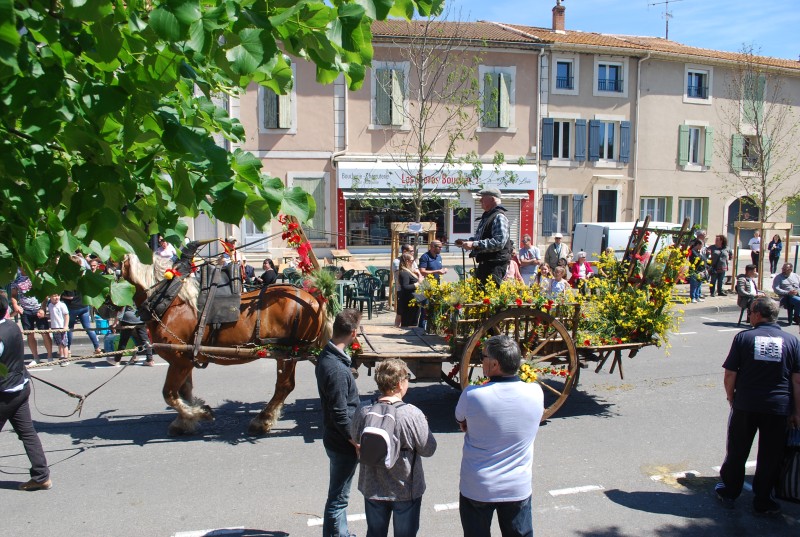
{"points": [[373, 195]]}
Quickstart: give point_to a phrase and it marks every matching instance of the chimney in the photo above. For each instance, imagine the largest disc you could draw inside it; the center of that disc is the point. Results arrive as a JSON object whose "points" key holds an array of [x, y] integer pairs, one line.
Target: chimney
{"points": [[558, 17]]}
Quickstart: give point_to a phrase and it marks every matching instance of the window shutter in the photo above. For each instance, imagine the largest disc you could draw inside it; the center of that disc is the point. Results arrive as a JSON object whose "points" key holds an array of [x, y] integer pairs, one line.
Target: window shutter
{"points": [[737, 145], [594, 140], [504, 103], [270, 109], [625, 141], [577, 208], [766, 152], [683, 145], [704, 218], [549, 217], [668, 210], [383, 100], [490, 96], [709, 147], [759, 97], [547, 138], [398, 96], [580, 140], [284, 111]]}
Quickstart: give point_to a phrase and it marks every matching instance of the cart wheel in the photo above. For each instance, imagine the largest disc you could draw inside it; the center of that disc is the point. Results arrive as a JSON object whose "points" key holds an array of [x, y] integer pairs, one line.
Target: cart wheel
{"points": [[545, 343], [453, 376]]}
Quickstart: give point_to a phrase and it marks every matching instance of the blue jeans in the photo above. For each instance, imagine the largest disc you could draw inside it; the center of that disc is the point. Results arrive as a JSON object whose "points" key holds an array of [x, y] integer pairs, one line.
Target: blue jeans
{"points": [[515, 518], [342, 469], [82, 314], [695, 288], [404, 515]]}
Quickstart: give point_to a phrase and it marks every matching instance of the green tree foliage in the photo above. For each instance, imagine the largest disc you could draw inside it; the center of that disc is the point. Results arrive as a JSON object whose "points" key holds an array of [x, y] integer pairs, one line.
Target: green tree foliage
{"points": [[112, 125]]}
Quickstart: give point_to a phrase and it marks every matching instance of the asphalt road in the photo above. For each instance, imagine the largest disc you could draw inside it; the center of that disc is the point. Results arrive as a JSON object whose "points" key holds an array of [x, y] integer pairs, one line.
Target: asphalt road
{"points": [[623, 457]]}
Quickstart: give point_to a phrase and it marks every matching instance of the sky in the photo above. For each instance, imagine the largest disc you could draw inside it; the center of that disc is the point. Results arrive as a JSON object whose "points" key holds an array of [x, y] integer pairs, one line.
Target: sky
{"points": [[772, 27]]}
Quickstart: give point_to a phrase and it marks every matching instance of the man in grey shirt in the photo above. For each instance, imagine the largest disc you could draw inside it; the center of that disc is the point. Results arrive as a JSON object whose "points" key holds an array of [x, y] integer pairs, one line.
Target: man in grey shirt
{"points": [[787, 286]]}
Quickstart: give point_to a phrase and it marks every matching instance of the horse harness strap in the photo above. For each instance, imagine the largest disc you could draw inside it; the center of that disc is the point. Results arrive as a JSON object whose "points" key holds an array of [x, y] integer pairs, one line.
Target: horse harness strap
{"points": [[198, 337]]}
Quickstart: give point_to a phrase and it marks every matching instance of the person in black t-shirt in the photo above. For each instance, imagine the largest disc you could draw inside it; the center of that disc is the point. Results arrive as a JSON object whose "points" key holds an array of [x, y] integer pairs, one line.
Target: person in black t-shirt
{"points": [[762, 383], [14, 393]]}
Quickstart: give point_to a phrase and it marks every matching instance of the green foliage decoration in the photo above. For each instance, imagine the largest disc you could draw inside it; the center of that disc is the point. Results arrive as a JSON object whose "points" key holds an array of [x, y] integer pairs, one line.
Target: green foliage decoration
{"points": [[112, 122]]}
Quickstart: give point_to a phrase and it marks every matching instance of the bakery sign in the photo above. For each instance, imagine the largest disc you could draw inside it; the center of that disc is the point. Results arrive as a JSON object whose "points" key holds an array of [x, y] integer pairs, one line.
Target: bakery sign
{"points": [[383, 175]]}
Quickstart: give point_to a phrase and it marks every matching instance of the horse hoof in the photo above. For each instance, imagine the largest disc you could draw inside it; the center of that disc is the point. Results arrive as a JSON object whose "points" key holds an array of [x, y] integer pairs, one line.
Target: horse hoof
{"points": [[181, 427], [257, 428], [207, 414]]}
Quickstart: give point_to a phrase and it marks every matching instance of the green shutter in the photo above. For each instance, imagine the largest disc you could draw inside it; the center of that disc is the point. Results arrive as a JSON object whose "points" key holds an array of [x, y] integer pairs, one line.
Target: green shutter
{"points": [[704, 218], [270, 109], [383, 100], [504, 100], [683, 145], [766, 152], [709, 147], [284, 111], [490, 95], [668, 211], [737, 144], [398, 97]]}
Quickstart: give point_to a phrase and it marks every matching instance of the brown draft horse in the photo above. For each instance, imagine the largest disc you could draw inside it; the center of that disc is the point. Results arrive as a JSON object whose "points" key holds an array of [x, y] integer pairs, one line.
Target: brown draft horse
{"points": [[285, 312]]}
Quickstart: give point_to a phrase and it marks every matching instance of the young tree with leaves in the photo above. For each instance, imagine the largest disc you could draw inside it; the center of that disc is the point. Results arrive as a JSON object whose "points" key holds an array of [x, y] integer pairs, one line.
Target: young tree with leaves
{"points": [[761, 148]]}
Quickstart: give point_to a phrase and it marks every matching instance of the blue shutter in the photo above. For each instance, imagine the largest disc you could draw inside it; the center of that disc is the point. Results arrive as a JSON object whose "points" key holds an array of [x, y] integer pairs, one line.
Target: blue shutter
{"points": [[549, 217], [577, 209], [580, 140], [547, 138], [594, 140], [625, 141]]}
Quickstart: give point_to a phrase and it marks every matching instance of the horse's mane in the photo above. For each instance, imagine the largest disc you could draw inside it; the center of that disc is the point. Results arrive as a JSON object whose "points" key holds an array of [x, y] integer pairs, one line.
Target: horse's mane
{"points": [[148, 275]]}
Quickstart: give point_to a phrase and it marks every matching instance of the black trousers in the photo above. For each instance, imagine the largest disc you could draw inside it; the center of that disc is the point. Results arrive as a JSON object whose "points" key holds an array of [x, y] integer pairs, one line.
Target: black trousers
{"points": [[742, 427], [488, 270], [139, 333], [15, 409]]}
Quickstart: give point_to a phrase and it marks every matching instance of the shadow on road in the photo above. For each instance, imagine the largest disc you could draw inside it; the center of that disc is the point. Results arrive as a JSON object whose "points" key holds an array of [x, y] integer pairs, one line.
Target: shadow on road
{"points": [[698, 504]]}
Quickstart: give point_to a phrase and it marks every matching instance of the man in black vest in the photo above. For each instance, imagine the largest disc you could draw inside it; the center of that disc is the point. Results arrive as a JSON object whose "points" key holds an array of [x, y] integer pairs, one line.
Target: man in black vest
{"points": [[491, 246], [14, 392]]}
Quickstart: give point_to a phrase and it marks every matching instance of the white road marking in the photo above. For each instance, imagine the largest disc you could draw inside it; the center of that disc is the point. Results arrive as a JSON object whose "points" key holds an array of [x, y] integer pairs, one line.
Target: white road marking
{"points": [[682, 333], [37, 370], [445, 506], [730, 330], [709, 319], [676, 475], [211, 533], [350, 518], [748, 464], [575, 490]]}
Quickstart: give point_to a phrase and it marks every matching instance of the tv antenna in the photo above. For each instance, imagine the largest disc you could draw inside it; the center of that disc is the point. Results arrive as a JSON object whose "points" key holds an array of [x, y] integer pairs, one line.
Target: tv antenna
{"points": [[667, 12]]}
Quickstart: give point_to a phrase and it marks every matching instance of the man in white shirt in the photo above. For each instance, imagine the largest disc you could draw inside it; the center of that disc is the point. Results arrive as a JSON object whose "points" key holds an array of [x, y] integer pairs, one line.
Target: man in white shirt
{"points": [[500, 419]]}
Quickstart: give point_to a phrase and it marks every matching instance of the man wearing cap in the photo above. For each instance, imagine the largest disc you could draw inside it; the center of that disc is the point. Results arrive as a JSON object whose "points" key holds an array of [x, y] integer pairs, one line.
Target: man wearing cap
{"points": [[556, 251], [491, 246]]}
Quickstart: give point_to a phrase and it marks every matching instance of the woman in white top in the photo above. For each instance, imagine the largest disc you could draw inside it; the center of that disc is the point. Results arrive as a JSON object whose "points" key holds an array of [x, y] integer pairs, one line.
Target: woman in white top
{"points": [[755, 248]]}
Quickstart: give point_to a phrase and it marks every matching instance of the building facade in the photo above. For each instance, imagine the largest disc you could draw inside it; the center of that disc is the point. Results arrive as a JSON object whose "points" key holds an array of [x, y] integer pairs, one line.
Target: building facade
{"points": [[591, 127]]}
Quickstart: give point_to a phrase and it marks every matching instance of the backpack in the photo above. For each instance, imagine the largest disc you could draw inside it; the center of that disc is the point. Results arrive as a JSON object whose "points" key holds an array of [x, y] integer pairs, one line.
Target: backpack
{"points": [[379, 442]]}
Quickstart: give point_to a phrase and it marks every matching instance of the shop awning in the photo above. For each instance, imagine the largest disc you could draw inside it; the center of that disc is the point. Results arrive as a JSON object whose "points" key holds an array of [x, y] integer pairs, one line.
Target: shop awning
{"points": [[359, 175], [350, 194]]}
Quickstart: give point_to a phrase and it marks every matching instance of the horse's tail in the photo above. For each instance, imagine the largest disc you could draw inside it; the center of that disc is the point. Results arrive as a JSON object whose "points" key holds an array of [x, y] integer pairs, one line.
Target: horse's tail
{"points": [[326, 330]]}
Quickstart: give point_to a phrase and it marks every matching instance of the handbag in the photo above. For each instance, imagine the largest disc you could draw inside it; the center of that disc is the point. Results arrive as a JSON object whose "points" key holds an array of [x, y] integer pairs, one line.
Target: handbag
{"points": [[788, 487]]}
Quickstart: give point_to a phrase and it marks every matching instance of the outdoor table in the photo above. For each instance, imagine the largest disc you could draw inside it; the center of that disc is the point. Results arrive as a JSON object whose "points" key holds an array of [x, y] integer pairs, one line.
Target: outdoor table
{"points": [[340, 285], [343, 255]]}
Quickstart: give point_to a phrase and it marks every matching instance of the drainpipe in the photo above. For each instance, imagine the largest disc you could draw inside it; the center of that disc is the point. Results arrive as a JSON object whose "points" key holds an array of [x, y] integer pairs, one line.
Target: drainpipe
{"points": [[335, 197], [539, 207], [636, 135]]}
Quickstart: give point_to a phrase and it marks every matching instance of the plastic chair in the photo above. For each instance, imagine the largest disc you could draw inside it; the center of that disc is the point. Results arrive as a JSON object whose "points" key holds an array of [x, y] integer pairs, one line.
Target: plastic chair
{"points": [[383, 276], [372, 269], [334, 270], [460, 271], [365, 292], [293, 276]]}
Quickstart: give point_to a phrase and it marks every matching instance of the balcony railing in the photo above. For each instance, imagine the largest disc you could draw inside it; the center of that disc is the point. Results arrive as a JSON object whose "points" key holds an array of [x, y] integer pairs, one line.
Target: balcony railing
{"points": [[697, 92], [609, 84], [564, 82]]}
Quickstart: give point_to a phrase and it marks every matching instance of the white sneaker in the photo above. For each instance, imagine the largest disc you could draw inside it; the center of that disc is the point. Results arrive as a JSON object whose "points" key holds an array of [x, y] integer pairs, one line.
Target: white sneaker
{"points": [[32, 362], [64, 364], [694, 301], [702, 298], [112, 362]]}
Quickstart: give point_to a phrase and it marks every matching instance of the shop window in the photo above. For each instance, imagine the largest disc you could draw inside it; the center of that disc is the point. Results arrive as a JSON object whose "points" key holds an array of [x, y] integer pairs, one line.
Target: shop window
{"points": [[462, 220], [369, 220]]}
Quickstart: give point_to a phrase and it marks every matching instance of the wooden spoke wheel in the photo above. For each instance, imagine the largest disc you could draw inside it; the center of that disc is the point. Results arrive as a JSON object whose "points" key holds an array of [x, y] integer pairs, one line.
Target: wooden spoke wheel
{"points": [[546, 346]]}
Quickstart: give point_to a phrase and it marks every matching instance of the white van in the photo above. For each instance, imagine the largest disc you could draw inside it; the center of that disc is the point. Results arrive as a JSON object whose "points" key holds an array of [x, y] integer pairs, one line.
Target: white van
{"points": [[594, 237]]}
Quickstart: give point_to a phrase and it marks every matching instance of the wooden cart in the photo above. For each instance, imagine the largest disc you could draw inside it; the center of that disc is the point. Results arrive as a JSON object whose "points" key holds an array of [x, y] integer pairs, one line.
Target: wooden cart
{"points": [[547, 341]]}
